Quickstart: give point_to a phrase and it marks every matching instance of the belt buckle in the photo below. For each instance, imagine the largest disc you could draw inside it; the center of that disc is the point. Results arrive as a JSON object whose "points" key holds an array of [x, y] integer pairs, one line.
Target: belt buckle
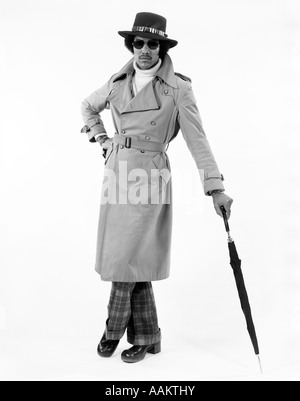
{"points": [[127, 142]]}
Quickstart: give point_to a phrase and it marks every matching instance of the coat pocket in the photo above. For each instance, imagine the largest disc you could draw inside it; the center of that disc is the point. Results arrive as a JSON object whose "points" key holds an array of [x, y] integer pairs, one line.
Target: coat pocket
{"points": [[160, 164]]}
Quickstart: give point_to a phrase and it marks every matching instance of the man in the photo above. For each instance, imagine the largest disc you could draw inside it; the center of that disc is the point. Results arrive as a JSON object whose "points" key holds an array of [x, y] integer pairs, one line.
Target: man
{"points": [[149, 104]]}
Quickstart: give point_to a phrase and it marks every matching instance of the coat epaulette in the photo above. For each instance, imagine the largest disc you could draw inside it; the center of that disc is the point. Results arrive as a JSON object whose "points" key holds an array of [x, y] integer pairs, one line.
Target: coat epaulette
{"points": [[185, 78]]}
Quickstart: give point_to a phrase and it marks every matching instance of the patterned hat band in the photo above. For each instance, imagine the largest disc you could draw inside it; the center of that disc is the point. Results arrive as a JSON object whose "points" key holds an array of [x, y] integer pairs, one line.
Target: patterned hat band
{"points": [[148, 29]]}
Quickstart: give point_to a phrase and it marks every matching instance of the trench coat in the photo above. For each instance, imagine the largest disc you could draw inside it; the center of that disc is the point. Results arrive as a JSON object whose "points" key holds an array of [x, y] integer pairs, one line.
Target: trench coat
{"points": [[134, 234]]}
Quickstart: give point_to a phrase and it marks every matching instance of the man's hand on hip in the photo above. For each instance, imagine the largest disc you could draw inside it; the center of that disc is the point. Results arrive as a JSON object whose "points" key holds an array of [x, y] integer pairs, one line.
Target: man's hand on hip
{"points": [[107, 143], [104, 141]]}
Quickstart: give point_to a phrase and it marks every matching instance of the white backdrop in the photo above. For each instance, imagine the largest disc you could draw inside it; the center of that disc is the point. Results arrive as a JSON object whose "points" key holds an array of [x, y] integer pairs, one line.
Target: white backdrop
{"points": [[244, 59]]}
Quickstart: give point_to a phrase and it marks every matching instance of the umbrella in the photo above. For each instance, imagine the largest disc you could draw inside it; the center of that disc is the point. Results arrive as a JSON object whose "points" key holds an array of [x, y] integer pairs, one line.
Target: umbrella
{"points": [[236, 266]]}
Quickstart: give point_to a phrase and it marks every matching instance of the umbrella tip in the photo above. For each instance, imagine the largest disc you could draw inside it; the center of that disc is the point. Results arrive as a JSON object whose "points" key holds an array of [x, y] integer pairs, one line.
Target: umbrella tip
{"points": [[260, 365]]}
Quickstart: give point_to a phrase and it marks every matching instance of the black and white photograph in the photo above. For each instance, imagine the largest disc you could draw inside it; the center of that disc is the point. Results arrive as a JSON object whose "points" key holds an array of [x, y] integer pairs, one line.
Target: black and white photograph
{"points": [[150, 207]]}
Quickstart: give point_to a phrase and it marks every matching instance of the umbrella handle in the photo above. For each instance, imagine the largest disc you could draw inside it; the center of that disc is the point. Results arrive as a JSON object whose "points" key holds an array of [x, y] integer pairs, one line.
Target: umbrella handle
{"points": [[223, 210]]}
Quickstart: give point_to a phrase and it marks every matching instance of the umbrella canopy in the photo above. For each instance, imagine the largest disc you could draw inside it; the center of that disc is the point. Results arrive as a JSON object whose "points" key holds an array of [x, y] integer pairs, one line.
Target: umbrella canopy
{"points": [[235, 263]]}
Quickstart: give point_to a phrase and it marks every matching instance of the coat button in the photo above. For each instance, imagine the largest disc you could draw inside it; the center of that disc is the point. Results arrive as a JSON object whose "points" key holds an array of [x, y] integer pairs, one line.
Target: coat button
{"points": [[166, 92], [153, 123], [123, 132], [147, 137], [122, 146], [142, 151]]}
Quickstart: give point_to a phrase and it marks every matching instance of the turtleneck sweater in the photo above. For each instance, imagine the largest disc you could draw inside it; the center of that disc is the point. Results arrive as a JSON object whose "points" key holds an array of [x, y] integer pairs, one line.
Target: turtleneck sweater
{"points": [[142, 77]]}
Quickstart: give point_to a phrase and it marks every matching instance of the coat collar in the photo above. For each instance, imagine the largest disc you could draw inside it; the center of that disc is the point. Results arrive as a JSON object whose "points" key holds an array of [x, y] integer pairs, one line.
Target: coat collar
{"points": [[121, 94], [166, 72], [124, 101]]}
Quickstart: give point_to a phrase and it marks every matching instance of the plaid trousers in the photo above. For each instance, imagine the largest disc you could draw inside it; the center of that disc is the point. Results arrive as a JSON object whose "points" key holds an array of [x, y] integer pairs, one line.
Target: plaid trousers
{"points": [[132, 307]]}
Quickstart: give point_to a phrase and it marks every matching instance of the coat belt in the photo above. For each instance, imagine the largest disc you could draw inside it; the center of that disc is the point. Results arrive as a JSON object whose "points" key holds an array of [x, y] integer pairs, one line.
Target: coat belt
{"points": [[131, 142]]}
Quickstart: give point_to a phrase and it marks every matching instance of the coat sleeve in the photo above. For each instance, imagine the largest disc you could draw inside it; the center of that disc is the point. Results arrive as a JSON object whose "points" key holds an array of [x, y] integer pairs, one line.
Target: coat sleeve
{"points": [[91, 107], [192, 130]]}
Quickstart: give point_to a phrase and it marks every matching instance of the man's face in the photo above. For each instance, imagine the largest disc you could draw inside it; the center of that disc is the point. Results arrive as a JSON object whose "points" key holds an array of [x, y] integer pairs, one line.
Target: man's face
{"points": [[145, 57]]}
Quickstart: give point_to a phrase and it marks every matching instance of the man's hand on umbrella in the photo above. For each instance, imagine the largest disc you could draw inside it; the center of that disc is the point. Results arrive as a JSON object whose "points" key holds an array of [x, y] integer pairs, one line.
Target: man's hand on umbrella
{"points": [[221, 199]]}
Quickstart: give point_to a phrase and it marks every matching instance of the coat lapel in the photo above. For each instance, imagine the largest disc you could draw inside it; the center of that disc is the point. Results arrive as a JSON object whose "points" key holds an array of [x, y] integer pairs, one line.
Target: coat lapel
{"points": [[122, 98], [144, 100], [121, 95]]}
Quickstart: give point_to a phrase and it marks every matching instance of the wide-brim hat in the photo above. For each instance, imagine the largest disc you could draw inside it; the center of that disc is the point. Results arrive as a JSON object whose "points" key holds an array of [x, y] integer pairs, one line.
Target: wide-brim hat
{"points": [[149, 25]]}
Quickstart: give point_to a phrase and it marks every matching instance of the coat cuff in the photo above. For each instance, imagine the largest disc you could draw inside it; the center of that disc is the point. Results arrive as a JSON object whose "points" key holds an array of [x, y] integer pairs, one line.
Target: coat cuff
{"points": [[93, 130], [91, 134], [213, 181]]}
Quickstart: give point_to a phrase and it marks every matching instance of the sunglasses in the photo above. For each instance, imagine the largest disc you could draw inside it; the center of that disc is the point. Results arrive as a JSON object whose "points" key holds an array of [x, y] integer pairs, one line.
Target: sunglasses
{"points": [[139, 44]]}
